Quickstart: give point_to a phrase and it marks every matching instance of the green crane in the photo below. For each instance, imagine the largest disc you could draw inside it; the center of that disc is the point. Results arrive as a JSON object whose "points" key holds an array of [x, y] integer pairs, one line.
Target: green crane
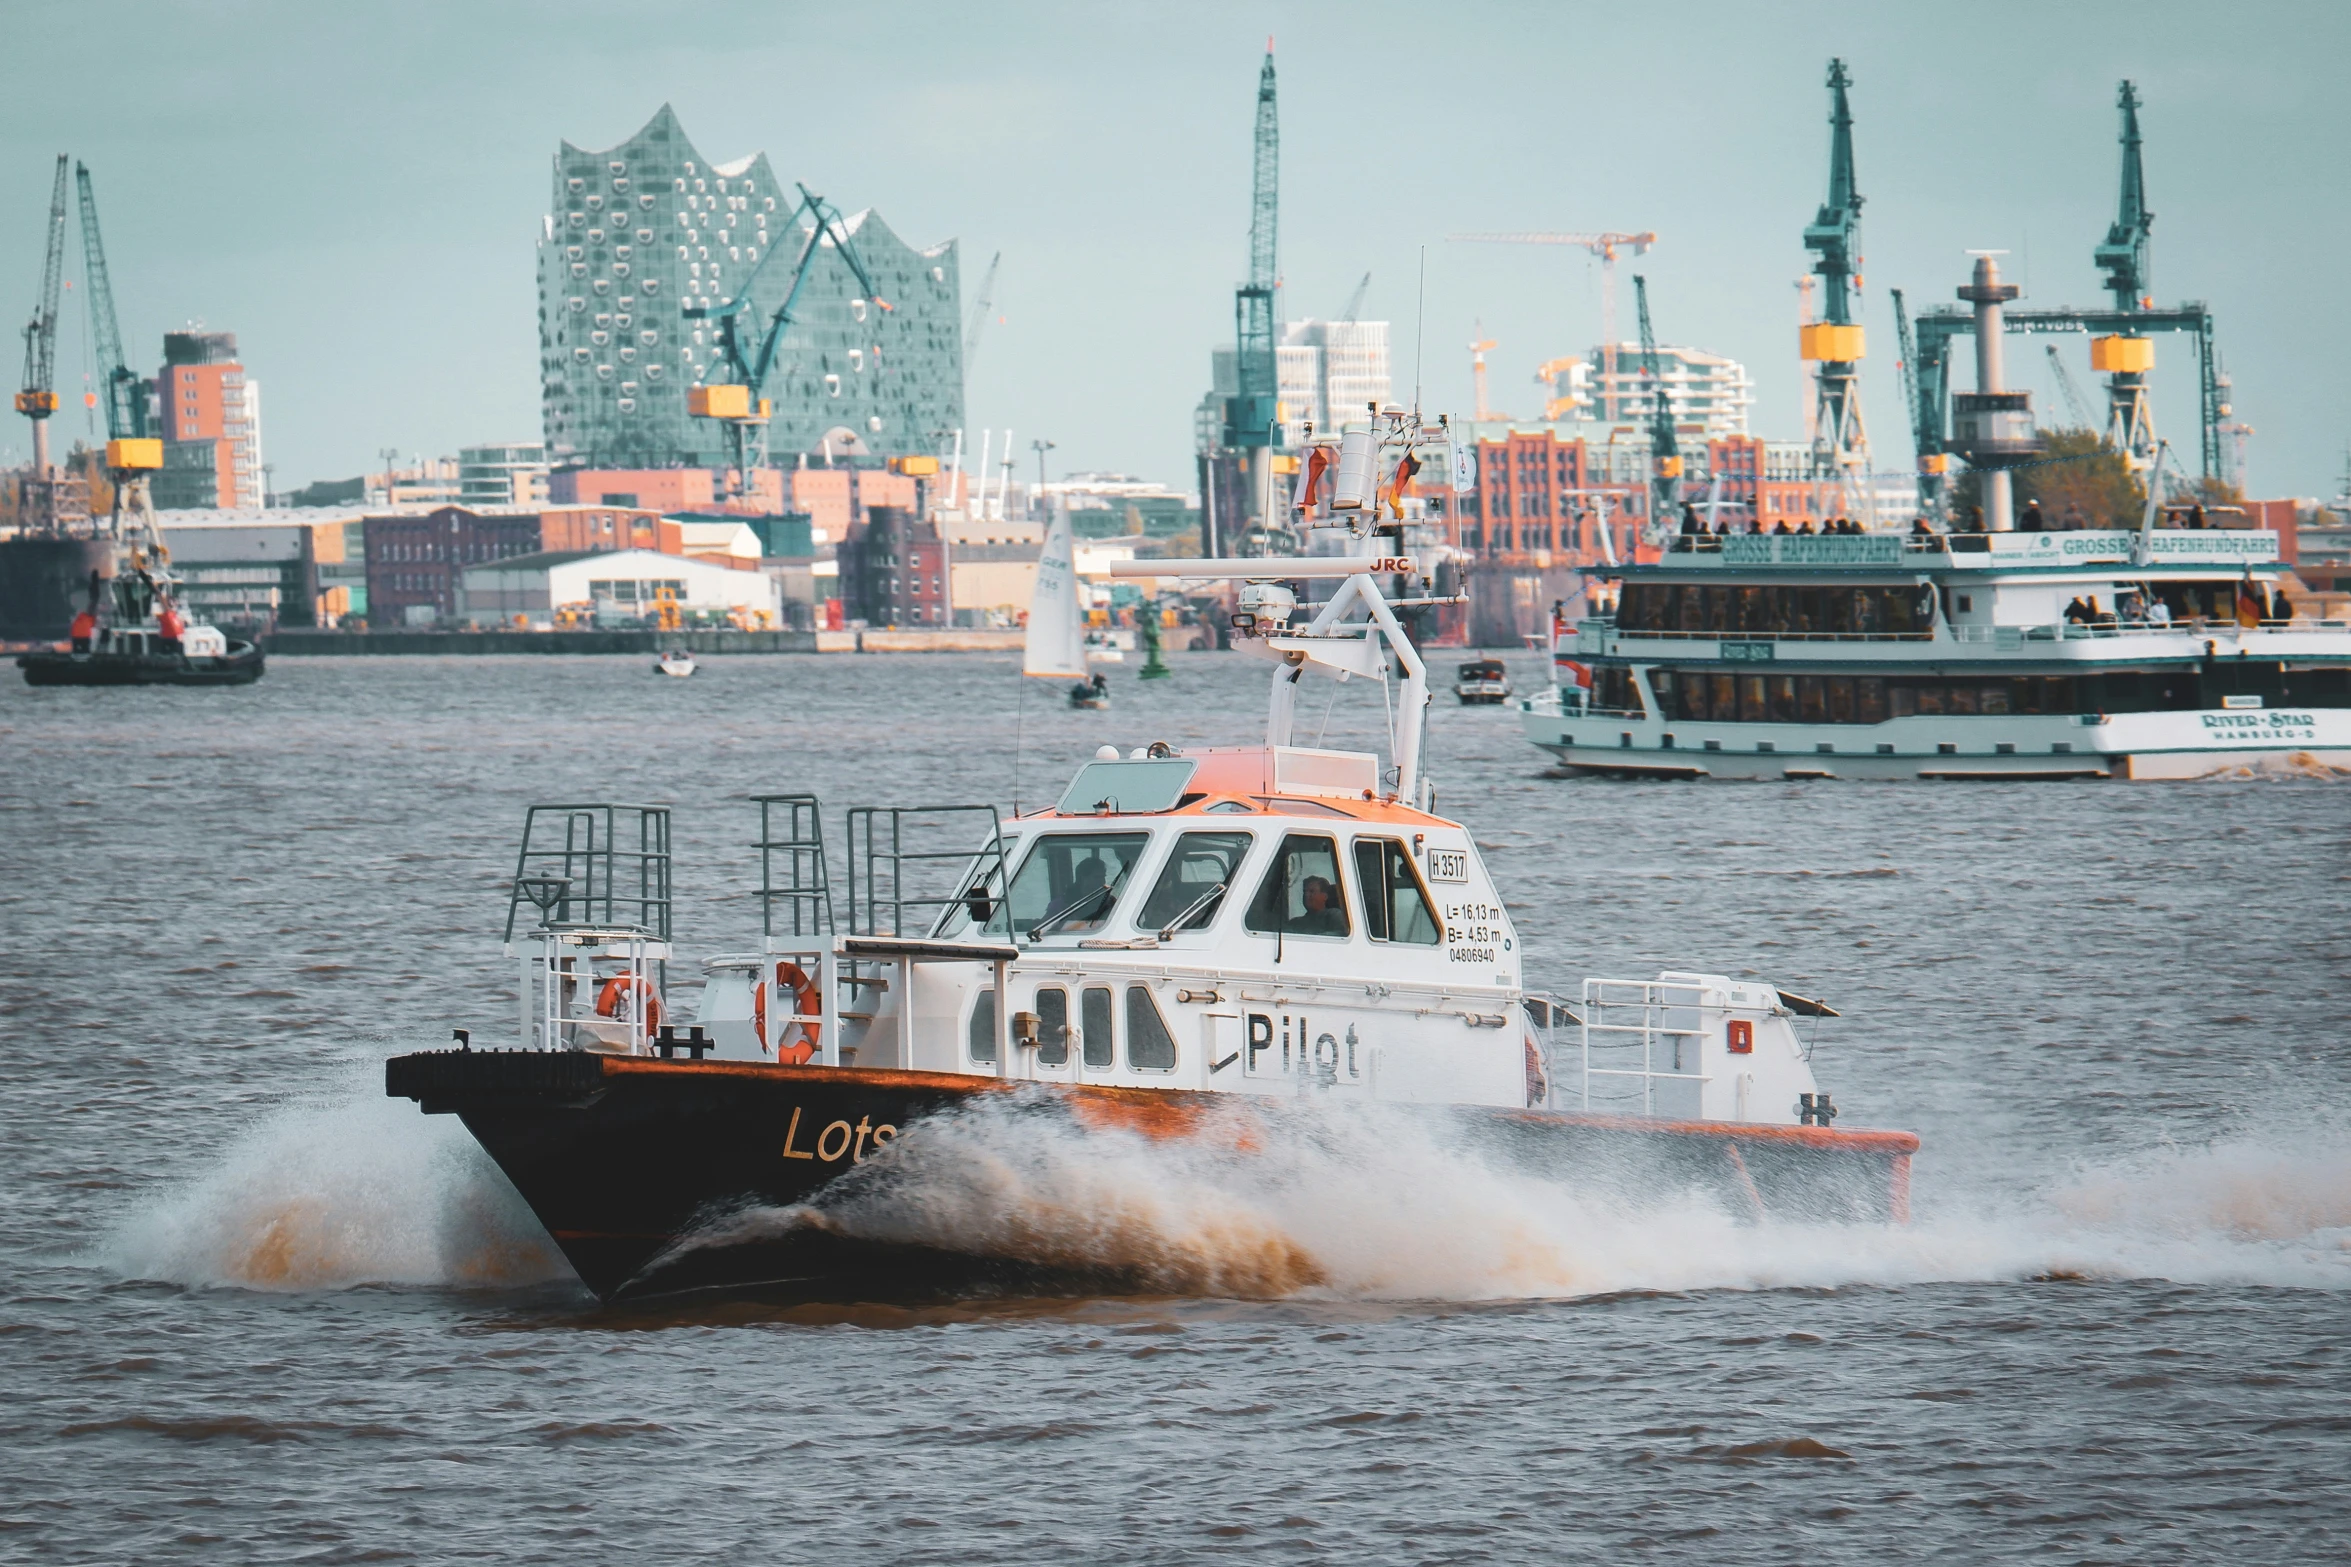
{"points": [[131, 452], [1252, 416], [1665, 483], [38, 400], [1925, 432], [1834, 342], [2127, 357]]}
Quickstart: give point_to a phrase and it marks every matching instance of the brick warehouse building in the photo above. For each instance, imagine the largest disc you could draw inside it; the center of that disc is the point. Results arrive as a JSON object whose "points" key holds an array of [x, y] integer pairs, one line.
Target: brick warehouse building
{"points": [[415, 563]]}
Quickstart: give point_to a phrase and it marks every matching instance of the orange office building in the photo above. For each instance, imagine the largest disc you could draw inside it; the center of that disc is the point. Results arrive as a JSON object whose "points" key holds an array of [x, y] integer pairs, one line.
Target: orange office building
{"points": [[210, 420]]}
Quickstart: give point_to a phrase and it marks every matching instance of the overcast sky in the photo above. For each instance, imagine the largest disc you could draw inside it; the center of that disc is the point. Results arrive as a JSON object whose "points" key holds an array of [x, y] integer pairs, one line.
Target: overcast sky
{"points": [[355, 189]]}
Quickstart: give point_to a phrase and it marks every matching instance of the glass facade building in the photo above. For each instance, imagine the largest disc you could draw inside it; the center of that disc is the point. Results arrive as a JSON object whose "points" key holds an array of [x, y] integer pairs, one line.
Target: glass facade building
{"points": [[638, 233]]}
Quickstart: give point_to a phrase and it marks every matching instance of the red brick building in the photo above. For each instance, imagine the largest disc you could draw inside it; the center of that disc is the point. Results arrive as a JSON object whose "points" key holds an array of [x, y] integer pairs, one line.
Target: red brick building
{"points": [[414, 561]]}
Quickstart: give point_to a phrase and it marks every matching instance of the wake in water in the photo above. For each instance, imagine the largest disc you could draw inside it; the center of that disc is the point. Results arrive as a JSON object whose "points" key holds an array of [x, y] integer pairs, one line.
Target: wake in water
{"points": [[1380, 1204], [1345, 1203], [362, 1192]]}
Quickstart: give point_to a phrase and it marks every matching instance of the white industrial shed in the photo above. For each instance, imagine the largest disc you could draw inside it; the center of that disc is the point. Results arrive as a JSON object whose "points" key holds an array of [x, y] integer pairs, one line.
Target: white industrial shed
{"points": [[629, 582]]}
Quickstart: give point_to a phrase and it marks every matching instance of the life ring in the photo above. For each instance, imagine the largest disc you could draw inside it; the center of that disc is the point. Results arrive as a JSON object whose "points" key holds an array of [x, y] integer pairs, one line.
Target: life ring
{"points": [[806, 999], [616, 993]]}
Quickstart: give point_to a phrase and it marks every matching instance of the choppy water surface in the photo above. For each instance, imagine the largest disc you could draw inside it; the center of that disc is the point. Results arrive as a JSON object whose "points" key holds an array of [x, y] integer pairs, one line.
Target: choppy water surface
{"points": [[254, 1312]]}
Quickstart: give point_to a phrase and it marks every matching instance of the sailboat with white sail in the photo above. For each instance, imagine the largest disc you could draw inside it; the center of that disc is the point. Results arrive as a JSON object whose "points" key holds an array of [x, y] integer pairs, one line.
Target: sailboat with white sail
{"points": [[1056, 645]]}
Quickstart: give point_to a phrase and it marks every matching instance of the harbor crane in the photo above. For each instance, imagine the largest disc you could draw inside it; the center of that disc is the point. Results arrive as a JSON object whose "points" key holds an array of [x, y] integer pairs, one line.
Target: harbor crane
{"points": [[38, 399], [131, 452], [1605, 246], [2127, 357], [1253, 417], [1665, 457], [736, 401], [1833, 342]]}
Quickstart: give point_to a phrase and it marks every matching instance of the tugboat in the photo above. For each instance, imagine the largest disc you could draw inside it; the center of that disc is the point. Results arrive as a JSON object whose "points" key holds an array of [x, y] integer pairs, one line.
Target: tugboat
{"points": [[1482, 682], [142, 638], [1219, 946]]}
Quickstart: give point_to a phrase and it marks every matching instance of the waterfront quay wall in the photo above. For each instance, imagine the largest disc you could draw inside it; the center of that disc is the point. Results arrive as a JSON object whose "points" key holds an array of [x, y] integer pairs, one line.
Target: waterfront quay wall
{"points": [[329, 644]]}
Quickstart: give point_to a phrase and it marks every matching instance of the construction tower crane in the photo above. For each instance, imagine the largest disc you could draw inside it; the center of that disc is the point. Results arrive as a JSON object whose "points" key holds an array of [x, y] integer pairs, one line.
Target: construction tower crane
{"points": [[38, 400], [1604, 246], [1355, 300], [1926, 440], [2072, 394], [981, 303], [2127, 357], [1477, 371], [1665, 456], [131, 453], [735, 401], [1253, 417], [1833, 341]]}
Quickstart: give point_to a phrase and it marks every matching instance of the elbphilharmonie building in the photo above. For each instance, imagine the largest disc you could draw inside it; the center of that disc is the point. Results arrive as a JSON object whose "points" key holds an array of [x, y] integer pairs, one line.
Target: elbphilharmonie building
{"points": [[638, 233]]}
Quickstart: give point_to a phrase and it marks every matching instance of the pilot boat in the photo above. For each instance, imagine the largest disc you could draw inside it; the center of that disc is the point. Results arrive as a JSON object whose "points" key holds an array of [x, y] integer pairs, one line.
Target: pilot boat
{"points": [[2160, 652], [1217, 946]]}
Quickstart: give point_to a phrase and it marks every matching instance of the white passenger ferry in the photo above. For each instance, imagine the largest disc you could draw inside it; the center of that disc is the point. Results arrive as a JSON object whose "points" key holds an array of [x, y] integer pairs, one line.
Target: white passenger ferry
{"points": [[1215, 945], [2159, 653]]}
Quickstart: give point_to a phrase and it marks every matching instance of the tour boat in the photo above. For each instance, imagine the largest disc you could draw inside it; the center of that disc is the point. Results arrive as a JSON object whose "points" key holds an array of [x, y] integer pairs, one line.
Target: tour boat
{"points": [[2147, 653], [1216, 947]]}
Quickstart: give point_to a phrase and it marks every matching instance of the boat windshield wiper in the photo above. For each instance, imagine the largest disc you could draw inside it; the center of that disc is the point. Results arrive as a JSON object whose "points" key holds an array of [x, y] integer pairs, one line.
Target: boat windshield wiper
{"points": [[1053, 922], [1199, 903]]}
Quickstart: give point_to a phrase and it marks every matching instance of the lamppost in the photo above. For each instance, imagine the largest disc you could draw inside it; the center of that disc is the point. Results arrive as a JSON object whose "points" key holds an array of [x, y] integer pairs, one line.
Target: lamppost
{"points": [[1040, 448]]}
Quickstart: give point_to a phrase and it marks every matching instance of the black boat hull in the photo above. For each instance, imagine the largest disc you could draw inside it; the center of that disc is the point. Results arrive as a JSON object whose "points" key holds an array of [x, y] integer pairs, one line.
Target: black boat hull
{"points": [[643, 1169], [242, 665]]}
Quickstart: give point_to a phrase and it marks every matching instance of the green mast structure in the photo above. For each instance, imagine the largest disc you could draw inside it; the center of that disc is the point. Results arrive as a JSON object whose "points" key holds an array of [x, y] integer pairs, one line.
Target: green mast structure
{"points": [[1665, 474], [1840, 446], [2127, 356], [1252, 418]]}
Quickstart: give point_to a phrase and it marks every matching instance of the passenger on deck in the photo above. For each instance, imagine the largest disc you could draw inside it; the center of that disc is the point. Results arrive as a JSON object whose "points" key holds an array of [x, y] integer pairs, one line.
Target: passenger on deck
{"points": [[1975, 520], [1322, 915], [2073, 521], [1783, 527], [2077, 612], [2158, 613], [2032, 521], [2196, 518], [1807, 528], [1690, 522], [1920, 528]]}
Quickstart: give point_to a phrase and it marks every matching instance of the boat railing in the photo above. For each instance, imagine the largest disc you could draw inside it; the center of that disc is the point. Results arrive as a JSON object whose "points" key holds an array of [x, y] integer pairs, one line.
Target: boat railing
{"points": [[909, 863], [795, 884], [1636, 1049], [590, 987], [599, 864], [1780, 636]]}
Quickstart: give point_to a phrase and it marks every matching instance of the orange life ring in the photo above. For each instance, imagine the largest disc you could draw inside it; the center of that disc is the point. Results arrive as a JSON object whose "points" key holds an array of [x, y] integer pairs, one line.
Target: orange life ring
{"points": [[611, 998], [806, 1000]]}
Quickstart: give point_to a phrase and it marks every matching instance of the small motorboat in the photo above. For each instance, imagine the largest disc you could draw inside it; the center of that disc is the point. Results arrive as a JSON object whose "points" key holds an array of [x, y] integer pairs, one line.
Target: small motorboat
{"points": [[676, 661], [1482, 682], [1091, 693]]}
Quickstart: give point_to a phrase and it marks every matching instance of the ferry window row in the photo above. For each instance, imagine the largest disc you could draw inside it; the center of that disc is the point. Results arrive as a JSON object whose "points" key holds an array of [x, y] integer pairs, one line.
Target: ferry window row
{"points": [[1073, 884], [1710, 695], [1777, 610]]}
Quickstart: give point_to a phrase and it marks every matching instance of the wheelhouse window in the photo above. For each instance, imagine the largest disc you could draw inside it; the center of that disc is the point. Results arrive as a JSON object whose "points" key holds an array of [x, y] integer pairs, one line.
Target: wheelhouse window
{"points": [[1068, 884], [1150, 1047], [1096, 1031], [1395, 906], [1052, 1026], [982, 1034], [1188, 884], [1301, 894]]}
